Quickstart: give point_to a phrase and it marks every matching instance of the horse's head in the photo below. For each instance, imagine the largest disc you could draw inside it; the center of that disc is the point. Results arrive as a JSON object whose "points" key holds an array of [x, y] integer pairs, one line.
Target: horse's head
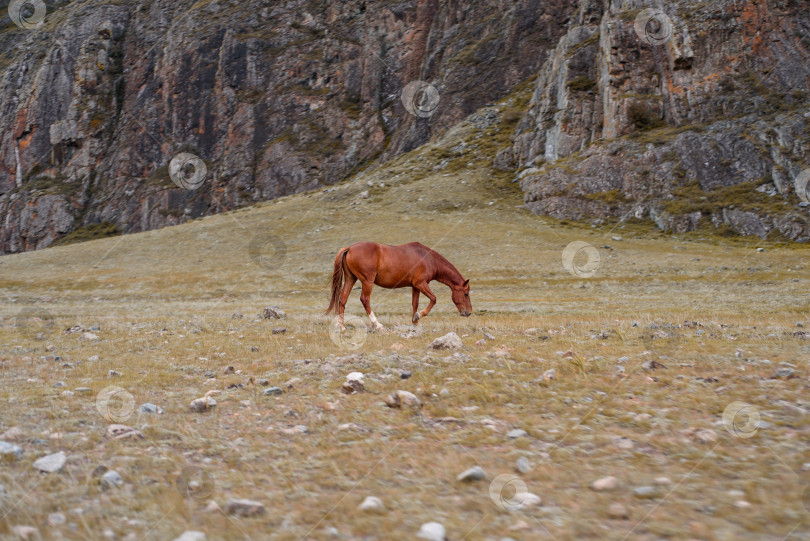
{"points": [[461, 298]]}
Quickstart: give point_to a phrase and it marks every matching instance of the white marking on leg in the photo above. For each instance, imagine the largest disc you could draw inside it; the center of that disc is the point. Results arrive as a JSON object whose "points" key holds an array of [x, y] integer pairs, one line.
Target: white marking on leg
{"points": [[377, 324]]}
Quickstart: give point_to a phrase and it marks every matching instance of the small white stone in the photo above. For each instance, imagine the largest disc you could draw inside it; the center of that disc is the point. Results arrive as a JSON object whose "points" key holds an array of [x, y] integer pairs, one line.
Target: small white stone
{"points": [[12, 434], [624, 443], [706, 435], [645, 492], [25, 532], [372, 504], [399, 399], [476, 473], [528, 499], [617, 510], [203, 404], [56, 519], [605, 483], [432, 531], [121, 432], [51, 463], [523, 465], [111, 479], [191, 535], [449, 341], [244, 508], [10, 450]]}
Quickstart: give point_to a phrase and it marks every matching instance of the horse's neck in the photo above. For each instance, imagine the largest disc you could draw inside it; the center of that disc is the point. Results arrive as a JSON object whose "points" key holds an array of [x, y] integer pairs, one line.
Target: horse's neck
{"points": [[447, 274]]}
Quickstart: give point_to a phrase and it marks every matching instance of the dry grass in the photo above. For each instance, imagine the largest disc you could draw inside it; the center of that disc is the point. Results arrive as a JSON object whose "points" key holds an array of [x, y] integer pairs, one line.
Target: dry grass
{"points": [[163, 302]]}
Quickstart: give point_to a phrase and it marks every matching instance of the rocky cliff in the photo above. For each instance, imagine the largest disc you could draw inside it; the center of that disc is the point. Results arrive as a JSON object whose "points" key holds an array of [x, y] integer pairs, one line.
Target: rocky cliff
{"points": [[274, 98], [693, 115]]}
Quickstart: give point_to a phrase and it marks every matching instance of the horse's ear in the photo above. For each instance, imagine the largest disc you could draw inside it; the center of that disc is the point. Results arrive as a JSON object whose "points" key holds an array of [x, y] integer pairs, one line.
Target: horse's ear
{"points": [[466, 283]]}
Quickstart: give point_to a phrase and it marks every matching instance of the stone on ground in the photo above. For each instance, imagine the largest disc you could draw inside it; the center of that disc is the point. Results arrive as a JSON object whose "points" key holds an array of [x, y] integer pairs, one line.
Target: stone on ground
{"points": [[372, 504], [51, 463], [273, 312], [191, 535], [449, 341], [476, 473], [244, 508], [111, 479], [432, 531], [400, 399], [605, 483]]}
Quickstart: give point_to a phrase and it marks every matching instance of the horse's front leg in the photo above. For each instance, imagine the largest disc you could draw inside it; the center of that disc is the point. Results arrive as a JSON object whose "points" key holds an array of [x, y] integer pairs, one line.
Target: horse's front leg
{"points": [[423, 287], [365, 298], [415, 303]]}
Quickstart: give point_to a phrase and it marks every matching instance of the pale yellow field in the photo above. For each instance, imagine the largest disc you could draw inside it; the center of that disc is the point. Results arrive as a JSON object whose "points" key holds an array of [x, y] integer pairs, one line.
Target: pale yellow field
{"points": [[163, 302]]}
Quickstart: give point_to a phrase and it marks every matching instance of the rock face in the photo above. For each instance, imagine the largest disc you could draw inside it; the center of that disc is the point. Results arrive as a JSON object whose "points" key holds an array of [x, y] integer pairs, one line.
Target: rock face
{"points": [[704, 125], [273, 98], [700, 122]]}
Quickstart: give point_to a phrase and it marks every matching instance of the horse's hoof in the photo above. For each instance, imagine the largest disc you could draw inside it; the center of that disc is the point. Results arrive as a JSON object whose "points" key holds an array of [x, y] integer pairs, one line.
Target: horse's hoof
{"points": [[415, 318], [342, 328], [378, 327]]}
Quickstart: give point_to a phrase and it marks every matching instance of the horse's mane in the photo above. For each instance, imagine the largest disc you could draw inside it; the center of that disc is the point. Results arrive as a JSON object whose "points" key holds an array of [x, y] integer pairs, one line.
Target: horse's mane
{"points": [[441, 258]]}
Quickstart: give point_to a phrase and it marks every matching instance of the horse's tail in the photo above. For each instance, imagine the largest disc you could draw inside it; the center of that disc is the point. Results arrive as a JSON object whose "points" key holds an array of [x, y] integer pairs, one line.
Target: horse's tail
{"points": [[337, 280]]}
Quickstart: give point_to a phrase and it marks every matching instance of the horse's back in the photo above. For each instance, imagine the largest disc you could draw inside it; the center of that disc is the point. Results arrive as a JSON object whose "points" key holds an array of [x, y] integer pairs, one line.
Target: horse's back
{"points": [[403, 251], [392, 266], [364, 245]]}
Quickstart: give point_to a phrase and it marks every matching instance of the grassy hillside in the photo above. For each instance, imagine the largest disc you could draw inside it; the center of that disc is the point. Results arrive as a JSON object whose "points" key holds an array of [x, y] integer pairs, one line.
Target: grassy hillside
{"points": [[167, 307]]}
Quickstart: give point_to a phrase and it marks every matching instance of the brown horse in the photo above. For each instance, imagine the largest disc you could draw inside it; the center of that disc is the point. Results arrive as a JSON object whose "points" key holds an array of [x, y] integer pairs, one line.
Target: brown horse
{"points": [[410, 265]]}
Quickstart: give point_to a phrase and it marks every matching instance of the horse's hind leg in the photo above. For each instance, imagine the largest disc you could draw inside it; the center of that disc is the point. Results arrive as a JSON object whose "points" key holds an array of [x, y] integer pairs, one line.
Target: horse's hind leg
{"points": [[365, 298], [415, 303], [344, 296]]}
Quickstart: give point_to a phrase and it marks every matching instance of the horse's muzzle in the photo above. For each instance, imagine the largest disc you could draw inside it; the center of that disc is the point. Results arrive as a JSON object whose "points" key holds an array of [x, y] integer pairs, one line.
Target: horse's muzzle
{"points": [[465, 313]]}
